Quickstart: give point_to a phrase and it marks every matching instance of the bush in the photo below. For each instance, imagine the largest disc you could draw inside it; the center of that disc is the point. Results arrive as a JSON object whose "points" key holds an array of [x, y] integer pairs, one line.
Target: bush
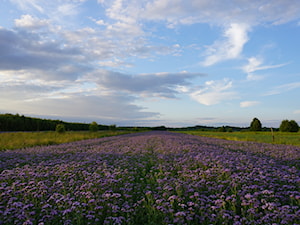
{"points": [[94, 127], [60, 128], [289, 126]]}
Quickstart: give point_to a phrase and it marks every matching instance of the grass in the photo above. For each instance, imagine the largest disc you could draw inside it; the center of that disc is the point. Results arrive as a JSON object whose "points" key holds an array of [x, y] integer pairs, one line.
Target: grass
{"points": [[263, 137], [15, 140]]}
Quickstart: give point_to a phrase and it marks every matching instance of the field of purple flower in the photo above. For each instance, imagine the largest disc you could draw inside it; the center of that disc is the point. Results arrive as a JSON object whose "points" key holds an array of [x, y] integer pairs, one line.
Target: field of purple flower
{"points": [[151, 178]]}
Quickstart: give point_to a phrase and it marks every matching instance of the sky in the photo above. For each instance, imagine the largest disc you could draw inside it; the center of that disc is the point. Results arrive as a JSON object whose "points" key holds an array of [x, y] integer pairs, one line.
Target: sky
{"points": [[175, 63]]}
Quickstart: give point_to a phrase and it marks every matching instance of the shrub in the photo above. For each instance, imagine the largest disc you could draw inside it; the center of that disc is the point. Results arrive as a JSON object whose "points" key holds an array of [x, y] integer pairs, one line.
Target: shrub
{"points": [[60, 128], [94, 127]]}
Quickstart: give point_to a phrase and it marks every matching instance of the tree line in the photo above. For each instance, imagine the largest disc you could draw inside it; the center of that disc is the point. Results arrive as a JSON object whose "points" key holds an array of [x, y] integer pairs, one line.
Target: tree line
{"points": [[10, 122], [285, 126]]}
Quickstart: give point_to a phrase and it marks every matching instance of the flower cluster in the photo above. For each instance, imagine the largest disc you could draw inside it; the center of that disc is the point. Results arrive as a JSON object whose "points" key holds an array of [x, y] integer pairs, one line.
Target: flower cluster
{"points": [[151, 178]]}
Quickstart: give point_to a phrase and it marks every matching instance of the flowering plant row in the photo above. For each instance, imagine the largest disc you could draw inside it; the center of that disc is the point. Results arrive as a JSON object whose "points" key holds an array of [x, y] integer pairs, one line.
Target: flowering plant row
{"points": [[151, 178]]}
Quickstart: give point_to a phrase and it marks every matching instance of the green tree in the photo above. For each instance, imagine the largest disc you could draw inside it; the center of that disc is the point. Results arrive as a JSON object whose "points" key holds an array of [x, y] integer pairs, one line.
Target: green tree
{"points": [[93, 127], [60, 128], [285, 126], [289, 126], [255, 125], [294, 126]]}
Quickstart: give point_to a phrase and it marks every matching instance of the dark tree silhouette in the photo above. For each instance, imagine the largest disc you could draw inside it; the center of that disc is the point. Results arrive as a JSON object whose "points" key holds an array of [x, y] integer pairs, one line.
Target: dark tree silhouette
{"points": [[255, 125]]}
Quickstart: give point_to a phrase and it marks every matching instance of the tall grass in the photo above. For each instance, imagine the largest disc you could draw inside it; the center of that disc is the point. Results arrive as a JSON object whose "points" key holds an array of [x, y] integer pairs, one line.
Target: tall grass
{"points": [[15, 140], [263, 137]]}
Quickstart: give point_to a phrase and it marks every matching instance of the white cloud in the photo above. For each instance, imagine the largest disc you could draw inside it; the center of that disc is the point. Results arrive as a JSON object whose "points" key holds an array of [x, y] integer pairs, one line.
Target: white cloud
{"points": [[27, 21], [214, 92], [253, 65], [101, 22], [297, 111], [230, 48], [249, 104]]}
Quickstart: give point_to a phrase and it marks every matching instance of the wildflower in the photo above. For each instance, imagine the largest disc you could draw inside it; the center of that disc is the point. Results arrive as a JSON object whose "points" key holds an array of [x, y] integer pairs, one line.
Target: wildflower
{"points": [[27, 222], [248, 196], [267, 192], [148, 192], [180, 214], [116, 195]]}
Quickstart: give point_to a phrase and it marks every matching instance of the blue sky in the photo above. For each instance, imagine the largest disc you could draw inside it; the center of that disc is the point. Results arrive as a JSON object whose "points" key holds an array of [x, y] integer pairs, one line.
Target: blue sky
{"points": [[149, 63]]}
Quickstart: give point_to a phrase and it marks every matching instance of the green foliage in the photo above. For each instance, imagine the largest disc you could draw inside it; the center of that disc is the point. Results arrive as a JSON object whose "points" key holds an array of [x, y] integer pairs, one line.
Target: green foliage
{"points": [[255, 125], [10, 122], [93, 127], [60, 128], [289, 126]]}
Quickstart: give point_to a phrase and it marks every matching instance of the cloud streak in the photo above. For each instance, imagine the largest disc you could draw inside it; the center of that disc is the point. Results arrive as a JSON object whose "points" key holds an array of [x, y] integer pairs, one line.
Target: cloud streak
{"points": [[283, 88], [256, 64], [246, 104]]}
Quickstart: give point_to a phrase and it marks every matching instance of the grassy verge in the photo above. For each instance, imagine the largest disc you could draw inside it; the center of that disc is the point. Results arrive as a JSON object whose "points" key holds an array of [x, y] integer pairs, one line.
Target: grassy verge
{"points": [[15, 140], [264, 137]]}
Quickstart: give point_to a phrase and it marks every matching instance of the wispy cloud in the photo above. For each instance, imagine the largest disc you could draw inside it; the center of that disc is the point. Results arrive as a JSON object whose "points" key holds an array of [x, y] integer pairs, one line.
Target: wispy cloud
{"points": [[256, 64], [214, 92], [283, 88], [246, 104], [29, 5]]}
